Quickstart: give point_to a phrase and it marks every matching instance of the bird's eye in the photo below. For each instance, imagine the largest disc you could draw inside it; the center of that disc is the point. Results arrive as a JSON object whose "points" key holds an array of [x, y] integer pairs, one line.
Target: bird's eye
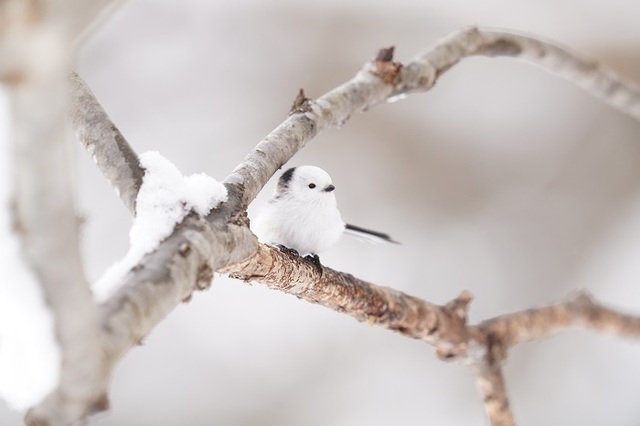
{"points": [[312, 185]]}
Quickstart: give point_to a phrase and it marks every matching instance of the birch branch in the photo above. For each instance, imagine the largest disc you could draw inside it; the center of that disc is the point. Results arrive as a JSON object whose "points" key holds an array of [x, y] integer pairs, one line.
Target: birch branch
{"points": [[35, 51], [223, 242], [48, 228]]}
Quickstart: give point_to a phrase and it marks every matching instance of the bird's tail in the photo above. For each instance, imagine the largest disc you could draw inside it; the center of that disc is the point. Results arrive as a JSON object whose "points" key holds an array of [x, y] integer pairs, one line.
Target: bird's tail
{"points": [[368, 235]]}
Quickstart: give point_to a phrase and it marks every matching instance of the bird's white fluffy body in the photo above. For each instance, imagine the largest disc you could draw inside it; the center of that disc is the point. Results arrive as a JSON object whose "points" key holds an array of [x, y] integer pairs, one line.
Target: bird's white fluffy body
{"points": [[302, 214]]}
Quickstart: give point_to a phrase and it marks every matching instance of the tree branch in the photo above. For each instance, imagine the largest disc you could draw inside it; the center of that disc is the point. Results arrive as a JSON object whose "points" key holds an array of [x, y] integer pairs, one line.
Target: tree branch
{"points": [[35, 49], [578, 312], [183, 263], [490, 384], [115, 158], [598, 80], [48, 228], [441, 326], [223, 242], [365, 90]]}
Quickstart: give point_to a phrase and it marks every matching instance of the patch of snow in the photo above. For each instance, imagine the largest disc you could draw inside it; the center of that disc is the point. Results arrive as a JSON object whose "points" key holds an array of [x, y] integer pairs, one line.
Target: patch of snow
{"points": [[164, 199]]}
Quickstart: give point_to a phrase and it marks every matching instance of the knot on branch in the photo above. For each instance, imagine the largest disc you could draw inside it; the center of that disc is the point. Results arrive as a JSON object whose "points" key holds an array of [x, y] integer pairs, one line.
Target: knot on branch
{"points": [[460, 305], [204, 276], [300, 104], [453, 342], [203, 280], [583, 306], [388, 70], [582, 301]]}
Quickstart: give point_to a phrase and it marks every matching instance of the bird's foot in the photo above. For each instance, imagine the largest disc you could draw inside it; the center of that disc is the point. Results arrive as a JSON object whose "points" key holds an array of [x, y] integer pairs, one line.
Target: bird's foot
{"points": [[288, 250], [315, 259]]}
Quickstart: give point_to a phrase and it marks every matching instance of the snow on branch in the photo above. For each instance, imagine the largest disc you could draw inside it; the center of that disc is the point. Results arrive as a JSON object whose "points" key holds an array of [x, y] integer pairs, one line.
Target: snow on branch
{"points": [[197, 245], [165, 198]]}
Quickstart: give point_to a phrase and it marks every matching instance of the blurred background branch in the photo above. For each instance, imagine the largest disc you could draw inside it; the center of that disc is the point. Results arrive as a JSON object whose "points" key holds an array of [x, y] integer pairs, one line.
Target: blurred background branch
{"points": [[35, 48]]}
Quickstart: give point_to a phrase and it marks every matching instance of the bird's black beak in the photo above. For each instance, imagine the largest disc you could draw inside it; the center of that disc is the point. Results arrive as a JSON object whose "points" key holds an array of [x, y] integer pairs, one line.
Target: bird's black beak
{"points": [[329, 188]]}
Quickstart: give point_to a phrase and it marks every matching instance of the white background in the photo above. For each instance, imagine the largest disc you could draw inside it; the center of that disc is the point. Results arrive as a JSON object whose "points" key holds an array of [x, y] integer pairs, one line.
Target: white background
{"points": [[502, 180]]}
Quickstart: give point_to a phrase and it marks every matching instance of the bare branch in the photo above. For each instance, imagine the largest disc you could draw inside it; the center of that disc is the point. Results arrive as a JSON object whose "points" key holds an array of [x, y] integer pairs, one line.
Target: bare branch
{"points": [[104, 142], [441, 326], [45, 214], [35, 49], [332, 109], [482, 348], [490, 384], [598, 80], [578, 312]]}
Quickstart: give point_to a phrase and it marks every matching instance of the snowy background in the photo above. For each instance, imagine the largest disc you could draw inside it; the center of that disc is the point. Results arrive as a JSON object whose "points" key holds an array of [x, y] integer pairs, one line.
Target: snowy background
{"points": [[503, 180]]}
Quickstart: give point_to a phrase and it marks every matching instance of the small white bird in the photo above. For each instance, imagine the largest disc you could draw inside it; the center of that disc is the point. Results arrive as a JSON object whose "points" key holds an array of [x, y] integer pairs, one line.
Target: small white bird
{"points": [[302, 215]]}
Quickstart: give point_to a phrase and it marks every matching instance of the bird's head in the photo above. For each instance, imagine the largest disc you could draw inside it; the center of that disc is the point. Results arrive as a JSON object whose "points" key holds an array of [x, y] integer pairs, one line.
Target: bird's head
{"points": [[305, 183]]}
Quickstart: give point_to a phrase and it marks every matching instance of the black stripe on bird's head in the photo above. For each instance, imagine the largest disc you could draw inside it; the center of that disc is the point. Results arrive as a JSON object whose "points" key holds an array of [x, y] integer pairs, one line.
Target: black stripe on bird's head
{"points": [[286, 177], [283, 182]]}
